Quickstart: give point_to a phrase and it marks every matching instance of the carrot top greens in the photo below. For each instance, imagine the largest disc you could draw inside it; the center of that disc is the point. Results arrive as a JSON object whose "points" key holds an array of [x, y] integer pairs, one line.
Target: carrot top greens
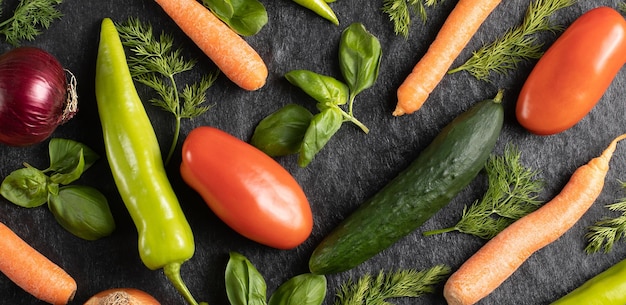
{"points": [[400, 12], [404, 283], [155, 64], [28, 19], [604, 233], [517, 44], [511, 194]]}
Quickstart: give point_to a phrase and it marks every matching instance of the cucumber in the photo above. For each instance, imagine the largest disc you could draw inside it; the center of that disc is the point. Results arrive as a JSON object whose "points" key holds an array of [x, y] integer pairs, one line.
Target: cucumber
{"points": [[440, 172]]}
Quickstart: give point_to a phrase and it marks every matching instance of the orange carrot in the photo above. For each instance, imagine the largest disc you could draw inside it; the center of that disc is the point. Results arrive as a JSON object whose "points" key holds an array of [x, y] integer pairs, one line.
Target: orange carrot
{"points": [[32, 271], [229, 51], [501, 256], [464, 20]]}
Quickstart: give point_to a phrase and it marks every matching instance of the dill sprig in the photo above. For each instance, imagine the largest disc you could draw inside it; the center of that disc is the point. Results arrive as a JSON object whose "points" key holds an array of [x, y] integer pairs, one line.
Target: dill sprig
{"points": [[517, 44], [604, 233], [400, 12], [511, 194], [155, 63], [404, 283], [28, 19], [622, 7]]}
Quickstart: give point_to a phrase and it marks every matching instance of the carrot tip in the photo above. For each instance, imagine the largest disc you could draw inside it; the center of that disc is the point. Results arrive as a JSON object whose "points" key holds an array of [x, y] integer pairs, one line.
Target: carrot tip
{"points": [[398, 111], [253, 87], [452, 298]]}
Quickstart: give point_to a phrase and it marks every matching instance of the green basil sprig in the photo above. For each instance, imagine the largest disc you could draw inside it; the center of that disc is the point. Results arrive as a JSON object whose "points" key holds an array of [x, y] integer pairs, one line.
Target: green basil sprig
{"points": [[245, 286], [68, 160], [323, 126], [246, 17], [359, 59], [303, 289], [27, 187], [326, 90], [244, 283], [81, 210], [360, 54], [281, 133]]}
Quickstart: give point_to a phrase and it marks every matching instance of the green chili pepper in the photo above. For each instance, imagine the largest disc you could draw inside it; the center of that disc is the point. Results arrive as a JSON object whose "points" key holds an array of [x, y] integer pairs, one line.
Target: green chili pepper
{"points": [[607, 288], [132, 149], [321, 8]]}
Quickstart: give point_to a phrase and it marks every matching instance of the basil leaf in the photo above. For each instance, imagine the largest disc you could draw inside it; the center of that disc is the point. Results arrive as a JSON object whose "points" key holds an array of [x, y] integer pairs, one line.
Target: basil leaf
{"points": [[62, 152], [244, 284], [223, 9], [325, 90], [26, 187], [83, 211], [304, 289], [70, 174], [281, 132], [323, 126], [246, 17], [53, 189], [360, 54], [65, 155]]}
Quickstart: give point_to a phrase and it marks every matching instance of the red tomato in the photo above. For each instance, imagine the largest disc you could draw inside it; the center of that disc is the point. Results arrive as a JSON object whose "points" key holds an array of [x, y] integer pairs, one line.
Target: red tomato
{"points": [[246, 188], [573, 74]]}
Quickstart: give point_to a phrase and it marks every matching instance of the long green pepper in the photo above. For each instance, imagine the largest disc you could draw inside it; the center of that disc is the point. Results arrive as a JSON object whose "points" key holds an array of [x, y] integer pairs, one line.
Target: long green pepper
{"points": [[321, 8], [606, 288], [132, 149]]}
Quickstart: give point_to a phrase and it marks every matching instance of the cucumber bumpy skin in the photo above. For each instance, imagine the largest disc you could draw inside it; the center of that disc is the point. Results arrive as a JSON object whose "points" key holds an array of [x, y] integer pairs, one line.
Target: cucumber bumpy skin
{"points": [[430, 182]]}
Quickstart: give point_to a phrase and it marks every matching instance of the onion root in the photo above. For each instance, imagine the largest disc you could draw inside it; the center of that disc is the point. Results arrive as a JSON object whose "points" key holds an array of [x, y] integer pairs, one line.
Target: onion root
{"points": [[122, 296]]}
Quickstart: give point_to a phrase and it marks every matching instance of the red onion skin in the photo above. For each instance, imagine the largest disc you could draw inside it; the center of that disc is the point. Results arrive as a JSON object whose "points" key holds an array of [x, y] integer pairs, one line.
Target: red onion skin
{"points": [[33, 93]]}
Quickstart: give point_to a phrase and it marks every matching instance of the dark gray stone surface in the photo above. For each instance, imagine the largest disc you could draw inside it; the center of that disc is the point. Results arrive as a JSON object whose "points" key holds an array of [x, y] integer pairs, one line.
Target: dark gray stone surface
{"points": [[351, 168]]}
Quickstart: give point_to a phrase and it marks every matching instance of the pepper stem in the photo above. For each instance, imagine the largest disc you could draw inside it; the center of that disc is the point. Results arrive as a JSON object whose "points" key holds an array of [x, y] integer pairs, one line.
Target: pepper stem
{"points": [[172, 271]]}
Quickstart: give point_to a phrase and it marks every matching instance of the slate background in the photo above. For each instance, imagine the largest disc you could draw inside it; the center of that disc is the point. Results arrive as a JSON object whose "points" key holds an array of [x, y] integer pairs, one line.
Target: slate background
{"points": [[351, 168]]}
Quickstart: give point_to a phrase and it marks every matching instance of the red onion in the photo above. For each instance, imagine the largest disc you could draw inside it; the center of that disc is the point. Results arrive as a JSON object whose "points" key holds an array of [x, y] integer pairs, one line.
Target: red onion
{"points": [[35, 96]]}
